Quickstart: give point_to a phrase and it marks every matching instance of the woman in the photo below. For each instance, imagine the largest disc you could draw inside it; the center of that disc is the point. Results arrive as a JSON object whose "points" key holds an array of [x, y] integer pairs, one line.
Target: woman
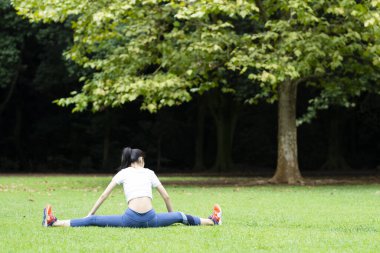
{"points": [[137, 182]]}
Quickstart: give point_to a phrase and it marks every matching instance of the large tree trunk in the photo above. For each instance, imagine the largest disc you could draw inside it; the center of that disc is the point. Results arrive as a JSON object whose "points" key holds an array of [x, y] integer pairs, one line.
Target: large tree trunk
{"points": [[224, 111], [199, 140], [287, 170]]}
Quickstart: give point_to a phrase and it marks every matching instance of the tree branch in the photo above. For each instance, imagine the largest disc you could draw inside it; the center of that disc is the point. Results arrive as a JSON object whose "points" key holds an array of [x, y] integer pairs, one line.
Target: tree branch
{"points": [[306, 78]]}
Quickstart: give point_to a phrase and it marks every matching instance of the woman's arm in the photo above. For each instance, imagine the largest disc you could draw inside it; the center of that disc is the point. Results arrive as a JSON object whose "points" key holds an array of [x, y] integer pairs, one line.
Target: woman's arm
{"points": [[102, 197], [164, 194]]}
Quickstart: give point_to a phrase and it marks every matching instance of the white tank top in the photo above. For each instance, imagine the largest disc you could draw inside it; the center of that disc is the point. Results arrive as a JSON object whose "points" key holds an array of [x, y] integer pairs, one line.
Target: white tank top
{"points": [[137, 182]]}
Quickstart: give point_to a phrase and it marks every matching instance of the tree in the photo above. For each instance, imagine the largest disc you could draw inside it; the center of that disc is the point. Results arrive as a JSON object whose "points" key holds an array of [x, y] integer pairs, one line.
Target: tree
{"points": [[332, 45], [163, 51]]}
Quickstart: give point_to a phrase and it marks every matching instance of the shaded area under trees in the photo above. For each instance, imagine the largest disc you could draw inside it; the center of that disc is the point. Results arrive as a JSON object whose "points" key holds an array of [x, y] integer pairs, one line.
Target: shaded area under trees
{"points": [[217, 132]]}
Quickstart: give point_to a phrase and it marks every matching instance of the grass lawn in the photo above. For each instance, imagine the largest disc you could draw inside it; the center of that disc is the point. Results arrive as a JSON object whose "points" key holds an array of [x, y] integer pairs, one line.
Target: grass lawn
{"points": [[256, 219]]}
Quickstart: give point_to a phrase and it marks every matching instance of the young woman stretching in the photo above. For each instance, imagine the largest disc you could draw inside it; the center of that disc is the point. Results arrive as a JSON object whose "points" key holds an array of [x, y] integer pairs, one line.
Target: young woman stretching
{"points": [[137, 182]]}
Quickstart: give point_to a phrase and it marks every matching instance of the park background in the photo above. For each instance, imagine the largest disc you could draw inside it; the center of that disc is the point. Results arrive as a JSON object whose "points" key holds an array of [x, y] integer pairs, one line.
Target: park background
{"points": [[212, 91], [37, 135]]}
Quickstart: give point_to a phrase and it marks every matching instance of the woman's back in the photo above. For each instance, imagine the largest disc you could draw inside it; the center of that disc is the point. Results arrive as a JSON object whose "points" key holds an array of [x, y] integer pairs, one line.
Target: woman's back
{"points": [[141, 205], [137, 183]]}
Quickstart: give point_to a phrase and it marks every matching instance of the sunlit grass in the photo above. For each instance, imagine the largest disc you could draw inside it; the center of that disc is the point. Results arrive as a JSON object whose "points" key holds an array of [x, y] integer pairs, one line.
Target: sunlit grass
{"points": [[259, 218]]}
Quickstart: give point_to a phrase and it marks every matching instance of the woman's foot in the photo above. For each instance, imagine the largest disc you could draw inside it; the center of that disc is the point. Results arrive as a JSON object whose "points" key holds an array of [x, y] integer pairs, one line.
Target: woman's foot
{"points": [[216, 216], [48, 218]]}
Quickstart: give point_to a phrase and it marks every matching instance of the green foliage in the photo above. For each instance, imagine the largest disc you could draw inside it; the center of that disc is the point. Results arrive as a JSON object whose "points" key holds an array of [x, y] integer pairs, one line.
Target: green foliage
{"points": [[12, 33], [333, 45], [163, 51], [15, 33], [259, 218], [160, 51]]}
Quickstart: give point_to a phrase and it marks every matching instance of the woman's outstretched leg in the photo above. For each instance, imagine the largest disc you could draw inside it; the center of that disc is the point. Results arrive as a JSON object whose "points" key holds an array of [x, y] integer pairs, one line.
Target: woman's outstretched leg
{"points": [[98, 221], [94, 220], [167, 219], [101, 221]]}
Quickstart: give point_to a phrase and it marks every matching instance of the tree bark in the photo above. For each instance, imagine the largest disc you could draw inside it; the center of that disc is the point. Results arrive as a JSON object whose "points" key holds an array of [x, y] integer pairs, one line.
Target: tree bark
{"points": [[287, 170], [159, 130], [223, 159], [335, 152], [12, 88], [224, 111], [17, 137], [159, 150], [106, 141], [199, 140]]}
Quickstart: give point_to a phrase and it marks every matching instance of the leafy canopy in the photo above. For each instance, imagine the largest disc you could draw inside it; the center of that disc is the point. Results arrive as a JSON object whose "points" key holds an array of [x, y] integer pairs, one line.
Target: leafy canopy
{"points": [[12, 33], [333, 45], [161, 51]]}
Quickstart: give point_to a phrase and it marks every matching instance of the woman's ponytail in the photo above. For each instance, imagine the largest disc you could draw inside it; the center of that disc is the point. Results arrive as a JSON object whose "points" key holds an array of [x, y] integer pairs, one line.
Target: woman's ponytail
{"points": [[125, 158]]}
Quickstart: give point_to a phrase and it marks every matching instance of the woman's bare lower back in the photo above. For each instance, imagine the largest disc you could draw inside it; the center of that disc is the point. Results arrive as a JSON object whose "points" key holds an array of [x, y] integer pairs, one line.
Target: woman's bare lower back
{"points": [[140, 205]]}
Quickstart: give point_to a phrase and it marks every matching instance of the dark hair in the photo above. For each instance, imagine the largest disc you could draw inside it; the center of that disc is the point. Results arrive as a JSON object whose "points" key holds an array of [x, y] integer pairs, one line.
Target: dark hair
{"points": [[129, 155]]}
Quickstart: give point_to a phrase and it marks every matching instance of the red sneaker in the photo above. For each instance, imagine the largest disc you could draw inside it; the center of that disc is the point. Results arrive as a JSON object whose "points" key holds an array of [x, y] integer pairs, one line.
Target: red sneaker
{"points": [[216, 216], [48, 218]]}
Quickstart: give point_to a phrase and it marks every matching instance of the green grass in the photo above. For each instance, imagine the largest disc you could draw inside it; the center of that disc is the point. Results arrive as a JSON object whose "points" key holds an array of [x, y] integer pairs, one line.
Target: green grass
{"points": [[256, 219]]}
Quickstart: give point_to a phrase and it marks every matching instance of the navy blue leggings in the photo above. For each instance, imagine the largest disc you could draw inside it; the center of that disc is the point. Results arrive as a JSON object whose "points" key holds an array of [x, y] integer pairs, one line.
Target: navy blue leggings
{"points": [[137, 220]]}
